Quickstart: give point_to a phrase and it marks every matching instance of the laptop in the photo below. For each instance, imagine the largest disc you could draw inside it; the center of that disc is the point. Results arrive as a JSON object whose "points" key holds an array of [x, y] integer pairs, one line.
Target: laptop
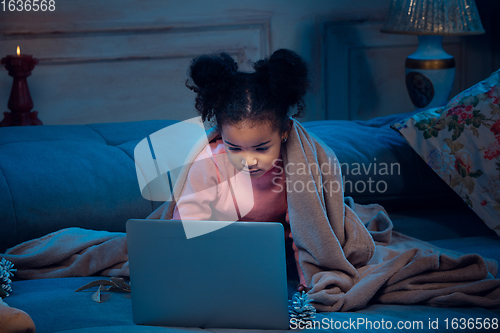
{"points": [[234, 277]]}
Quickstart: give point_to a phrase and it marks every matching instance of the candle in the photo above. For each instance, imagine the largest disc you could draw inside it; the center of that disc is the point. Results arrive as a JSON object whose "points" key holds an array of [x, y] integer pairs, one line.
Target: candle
{"points": [[19, 64], [20, 102]]}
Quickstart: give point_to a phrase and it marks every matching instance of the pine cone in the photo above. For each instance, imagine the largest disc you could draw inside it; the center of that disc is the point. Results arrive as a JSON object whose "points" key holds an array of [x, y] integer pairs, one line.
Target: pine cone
{"points": [[5, 281], [6, 272], [300, 308], [7, 266]]}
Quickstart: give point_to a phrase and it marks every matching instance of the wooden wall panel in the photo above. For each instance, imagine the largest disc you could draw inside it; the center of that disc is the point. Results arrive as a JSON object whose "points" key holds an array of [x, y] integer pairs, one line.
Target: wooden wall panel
{"points": [[141, 50], [364, 69], [126, 75]]}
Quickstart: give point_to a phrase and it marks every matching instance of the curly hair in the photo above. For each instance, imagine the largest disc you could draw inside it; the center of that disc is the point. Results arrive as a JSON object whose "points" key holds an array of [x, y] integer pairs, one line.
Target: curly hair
{"points": [[267, 94]]}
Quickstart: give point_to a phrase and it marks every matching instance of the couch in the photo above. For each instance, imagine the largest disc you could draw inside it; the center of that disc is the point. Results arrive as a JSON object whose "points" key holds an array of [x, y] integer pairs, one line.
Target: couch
{"points": [[59, 176]]}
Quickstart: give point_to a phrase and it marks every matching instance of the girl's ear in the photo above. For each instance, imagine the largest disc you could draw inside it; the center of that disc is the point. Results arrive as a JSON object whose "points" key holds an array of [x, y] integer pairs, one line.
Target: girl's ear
{"points": [[288, 128]]}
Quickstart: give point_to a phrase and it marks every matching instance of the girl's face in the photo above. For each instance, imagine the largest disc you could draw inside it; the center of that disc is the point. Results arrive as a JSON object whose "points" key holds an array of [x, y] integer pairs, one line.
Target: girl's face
{"points": [[252, 147]]}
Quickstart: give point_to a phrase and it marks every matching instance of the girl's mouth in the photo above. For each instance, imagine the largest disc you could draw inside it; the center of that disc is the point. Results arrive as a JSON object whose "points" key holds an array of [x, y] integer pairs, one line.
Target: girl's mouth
{"points": [[250, 171]]}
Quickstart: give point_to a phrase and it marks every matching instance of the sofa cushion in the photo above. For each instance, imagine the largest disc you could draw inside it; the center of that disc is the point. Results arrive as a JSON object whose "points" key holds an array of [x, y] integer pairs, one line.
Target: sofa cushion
{"points": [[17, 134], [15, 149], [118, 133], [57, 184], [58, 176], [7, 213]]}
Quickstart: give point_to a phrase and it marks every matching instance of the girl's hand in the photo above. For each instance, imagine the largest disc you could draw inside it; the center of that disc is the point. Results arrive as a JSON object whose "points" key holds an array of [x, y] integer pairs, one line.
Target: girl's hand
{"points": [[301, 288]]}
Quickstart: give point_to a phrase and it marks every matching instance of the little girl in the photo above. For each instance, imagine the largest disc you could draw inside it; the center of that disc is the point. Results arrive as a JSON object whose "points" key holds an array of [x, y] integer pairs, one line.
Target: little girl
{"points": [[251, 112]]}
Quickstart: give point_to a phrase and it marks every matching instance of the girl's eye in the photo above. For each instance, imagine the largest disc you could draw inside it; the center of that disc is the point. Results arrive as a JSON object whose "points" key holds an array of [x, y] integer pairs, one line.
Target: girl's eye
{"points": [[262, 149], [233, 148]]}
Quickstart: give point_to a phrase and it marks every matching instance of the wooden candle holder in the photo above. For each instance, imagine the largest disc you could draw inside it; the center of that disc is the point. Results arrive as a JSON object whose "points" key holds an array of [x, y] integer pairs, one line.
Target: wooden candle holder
{"points": [[20, 102]]}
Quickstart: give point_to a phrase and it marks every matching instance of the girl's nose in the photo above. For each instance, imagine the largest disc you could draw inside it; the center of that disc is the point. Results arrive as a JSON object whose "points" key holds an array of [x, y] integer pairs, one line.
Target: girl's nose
{"points": [[249, 161]]}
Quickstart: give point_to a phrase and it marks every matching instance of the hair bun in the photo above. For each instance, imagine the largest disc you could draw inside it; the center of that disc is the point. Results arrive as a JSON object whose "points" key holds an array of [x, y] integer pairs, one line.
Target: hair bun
{"points": [[288, 77], [262, 67], [213, 71]]}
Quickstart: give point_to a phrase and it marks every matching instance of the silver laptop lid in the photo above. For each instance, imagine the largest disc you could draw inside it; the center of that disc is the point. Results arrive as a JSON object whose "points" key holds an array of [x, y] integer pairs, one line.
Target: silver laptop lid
{"points": [[234, 277]]}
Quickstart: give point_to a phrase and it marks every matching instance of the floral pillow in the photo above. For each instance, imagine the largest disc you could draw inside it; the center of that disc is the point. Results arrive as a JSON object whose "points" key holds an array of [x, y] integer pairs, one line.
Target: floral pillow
{"points": [[461, 143]]}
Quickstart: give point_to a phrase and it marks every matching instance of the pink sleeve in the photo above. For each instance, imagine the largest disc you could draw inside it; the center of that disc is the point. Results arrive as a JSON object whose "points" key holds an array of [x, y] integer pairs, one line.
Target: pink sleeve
{"points": [[200, 191], [296, 255]]}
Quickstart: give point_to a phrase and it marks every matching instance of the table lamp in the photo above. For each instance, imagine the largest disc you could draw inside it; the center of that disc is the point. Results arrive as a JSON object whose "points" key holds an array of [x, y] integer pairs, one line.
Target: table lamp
{"points": [[430, 71]]}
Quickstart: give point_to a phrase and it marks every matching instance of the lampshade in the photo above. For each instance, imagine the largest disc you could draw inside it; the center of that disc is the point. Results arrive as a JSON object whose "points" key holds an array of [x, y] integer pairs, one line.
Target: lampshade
{"points": [[433, 17]]}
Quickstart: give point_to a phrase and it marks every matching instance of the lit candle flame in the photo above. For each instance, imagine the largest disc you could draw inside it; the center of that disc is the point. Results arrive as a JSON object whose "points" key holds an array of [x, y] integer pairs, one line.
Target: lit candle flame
{"points": [[18, 51]]}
